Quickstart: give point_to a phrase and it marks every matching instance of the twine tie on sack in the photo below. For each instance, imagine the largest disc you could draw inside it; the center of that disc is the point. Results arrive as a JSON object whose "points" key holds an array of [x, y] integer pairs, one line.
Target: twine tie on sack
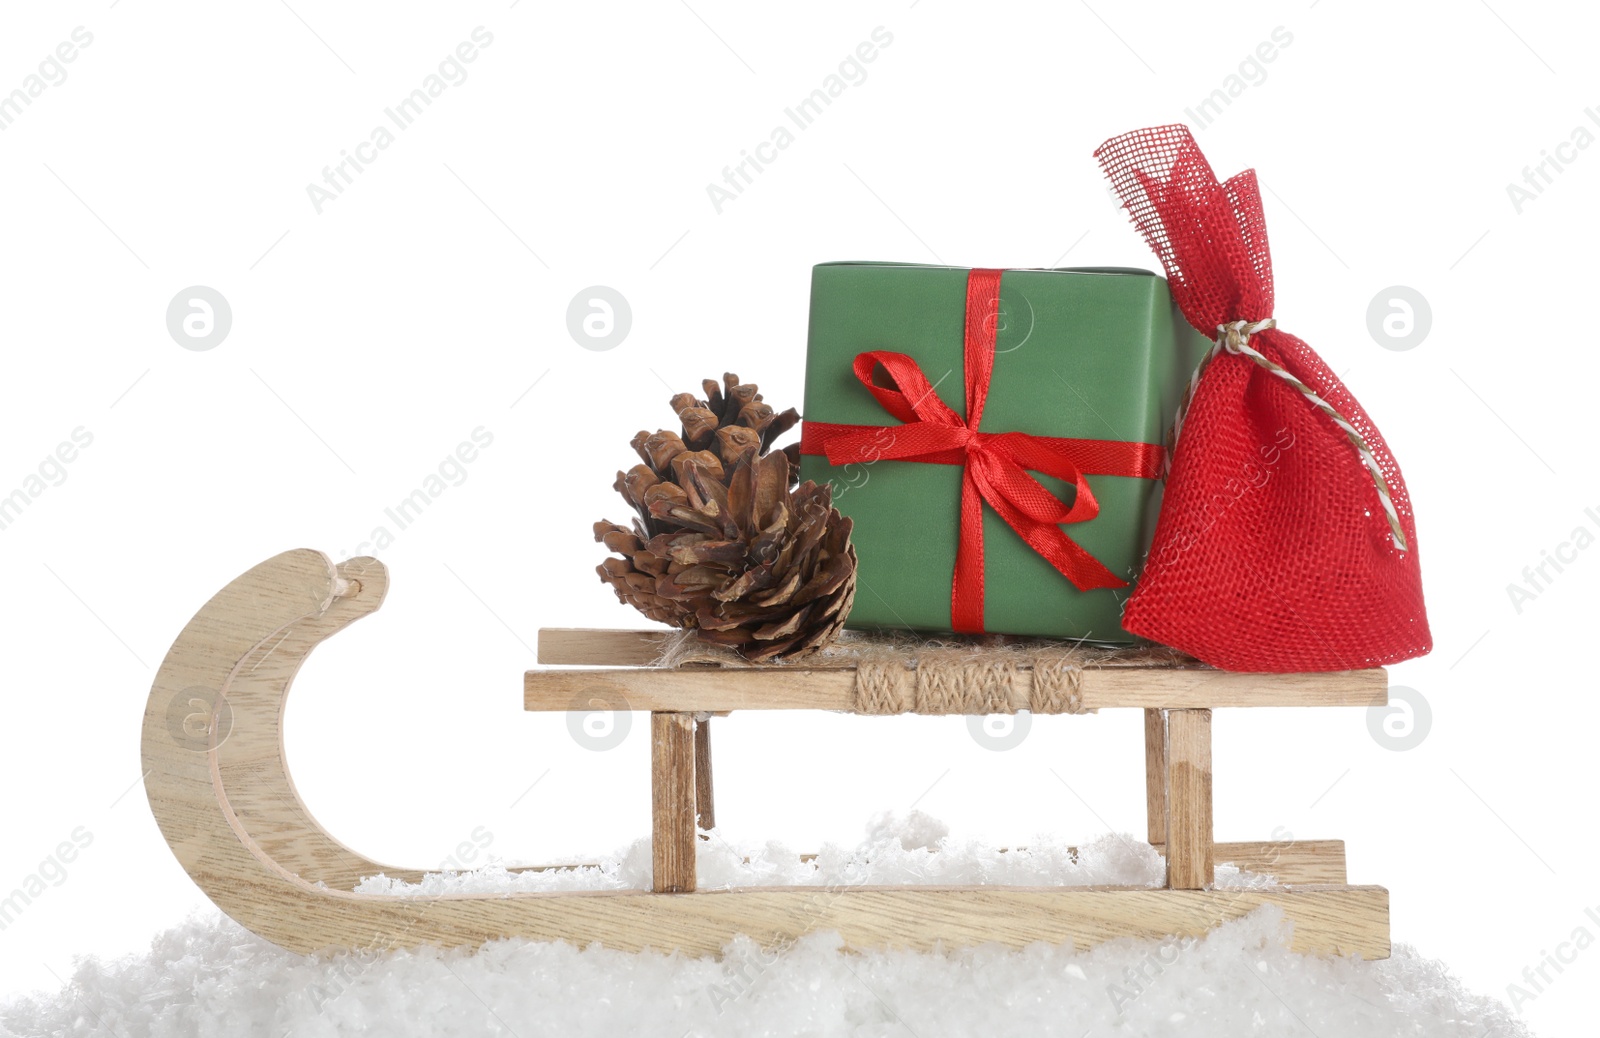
{"points": [[1234, 338]]}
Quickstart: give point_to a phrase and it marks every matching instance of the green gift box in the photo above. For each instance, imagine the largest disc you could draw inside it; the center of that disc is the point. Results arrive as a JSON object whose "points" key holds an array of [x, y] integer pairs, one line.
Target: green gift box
{"points": [[1087, 363]]}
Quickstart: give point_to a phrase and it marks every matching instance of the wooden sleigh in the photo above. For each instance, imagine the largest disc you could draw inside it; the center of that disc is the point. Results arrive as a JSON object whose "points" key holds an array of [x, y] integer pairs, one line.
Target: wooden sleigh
{"points": [[224, 800]]}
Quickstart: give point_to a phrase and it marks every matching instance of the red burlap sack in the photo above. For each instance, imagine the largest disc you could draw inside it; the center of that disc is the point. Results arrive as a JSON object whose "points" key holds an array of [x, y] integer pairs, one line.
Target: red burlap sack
{"points": [[1286, 540]]}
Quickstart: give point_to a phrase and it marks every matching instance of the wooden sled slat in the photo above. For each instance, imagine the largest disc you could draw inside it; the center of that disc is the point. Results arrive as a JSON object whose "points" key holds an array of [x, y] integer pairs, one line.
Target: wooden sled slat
{"points": [[594, 647], [629, 654], [1332, 920], [799, 688], [1292, 862]]}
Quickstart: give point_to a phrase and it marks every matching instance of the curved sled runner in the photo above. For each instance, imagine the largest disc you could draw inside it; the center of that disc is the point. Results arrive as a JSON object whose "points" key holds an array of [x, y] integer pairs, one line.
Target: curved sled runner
{"points": [[223, 797]]}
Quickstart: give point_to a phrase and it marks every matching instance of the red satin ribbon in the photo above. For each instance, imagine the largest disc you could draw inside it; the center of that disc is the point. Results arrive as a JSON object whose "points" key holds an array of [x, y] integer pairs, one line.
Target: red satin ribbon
{"points": [[994, 464]]}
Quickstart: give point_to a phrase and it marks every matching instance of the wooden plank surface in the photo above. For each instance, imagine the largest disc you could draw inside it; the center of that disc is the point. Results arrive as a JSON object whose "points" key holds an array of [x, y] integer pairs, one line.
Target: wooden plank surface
{"points": [[672, 794], [597, 647], [801, 688], [1296, 862], [1189, 861]]}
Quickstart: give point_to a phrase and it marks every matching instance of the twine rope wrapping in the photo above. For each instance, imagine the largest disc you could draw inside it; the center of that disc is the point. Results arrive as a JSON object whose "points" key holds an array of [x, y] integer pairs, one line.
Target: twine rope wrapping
{"points": [[885, 688], [1234, 338], [954, 681], [902, 673], [1057, 683], [950, 681]]}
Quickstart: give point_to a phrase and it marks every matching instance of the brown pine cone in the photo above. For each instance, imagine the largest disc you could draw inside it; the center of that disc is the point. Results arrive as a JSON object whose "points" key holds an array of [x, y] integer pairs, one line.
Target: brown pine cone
{"points": [[724, 541]]}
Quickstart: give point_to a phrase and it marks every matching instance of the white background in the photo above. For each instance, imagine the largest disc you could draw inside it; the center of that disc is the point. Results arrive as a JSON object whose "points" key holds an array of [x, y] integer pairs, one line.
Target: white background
{"points": [[425, 301]]}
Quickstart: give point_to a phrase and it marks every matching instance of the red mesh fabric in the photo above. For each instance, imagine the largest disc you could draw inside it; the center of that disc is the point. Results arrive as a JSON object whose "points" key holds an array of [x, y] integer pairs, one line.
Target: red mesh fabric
{"points": [[1272, 551]]}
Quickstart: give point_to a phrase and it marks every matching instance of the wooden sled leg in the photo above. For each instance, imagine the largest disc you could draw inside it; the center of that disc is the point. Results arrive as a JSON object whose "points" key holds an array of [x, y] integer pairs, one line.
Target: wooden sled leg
{"points": [[704, 805], [1155, 774], [672, 794], [1189, 861]]}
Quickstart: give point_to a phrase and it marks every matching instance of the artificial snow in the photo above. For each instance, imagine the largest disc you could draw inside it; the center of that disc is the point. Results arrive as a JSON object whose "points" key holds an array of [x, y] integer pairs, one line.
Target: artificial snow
{"points": [[913, 849], [211, 977]]}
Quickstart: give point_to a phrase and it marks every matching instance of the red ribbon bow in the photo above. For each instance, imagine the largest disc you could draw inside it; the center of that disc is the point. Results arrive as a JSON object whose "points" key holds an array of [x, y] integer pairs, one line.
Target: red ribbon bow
{"points": [[994, 464]]}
